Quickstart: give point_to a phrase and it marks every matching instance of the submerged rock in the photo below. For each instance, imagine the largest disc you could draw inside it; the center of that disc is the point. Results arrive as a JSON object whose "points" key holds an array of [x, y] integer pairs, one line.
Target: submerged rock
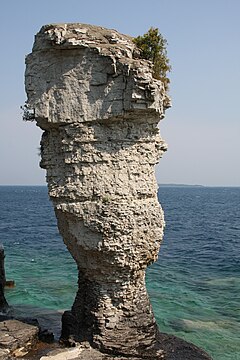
{"points": [[99, 107]]}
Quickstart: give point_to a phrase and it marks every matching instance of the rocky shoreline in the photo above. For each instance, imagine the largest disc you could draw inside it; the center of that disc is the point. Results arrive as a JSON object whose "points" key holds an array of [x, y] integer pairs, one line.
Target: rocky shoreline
{"points": [[24, 339]]}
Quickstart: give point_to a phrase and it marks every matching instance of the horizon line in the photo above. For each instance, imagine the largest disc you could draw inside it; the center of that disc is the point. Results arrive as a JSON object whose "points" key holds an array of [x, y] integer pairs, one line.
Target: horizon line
{"points": [[159, 184]]}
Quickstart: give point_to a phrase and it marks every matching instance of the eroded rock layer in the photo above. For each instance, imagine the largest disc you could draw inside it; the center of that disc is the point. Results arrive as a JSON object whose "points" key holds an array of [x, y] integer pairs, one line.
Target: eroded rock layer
{"points": [[99, 107]]}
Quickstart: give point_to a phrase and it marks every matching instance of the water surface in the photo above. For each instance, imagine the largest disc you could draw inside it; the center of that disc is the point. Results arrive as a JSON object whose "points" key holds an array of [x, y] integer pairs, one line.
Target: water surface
{"points": [[194, 287]]}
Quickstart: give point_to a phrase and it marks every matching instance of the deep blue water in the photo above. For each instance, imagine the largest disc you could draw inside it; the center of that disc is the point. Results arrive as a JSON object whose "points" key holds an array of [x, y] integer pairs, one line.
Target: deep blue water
{"points": [[194, 287]]}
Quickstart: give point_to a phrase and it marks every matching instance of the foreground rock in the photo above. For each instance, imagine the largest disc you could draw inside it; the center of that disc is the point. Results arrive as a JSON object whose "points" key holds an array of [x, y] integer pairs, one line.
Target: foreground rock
{"points": [[99, 107], [16, 338]]}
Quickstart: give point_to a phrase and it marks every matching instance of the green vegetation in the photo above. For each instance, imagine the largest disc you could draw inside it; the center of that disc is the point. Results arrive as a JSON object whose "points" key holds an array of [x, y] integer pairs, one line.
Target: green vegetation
{"points": [[106, 199], [152, 46]]}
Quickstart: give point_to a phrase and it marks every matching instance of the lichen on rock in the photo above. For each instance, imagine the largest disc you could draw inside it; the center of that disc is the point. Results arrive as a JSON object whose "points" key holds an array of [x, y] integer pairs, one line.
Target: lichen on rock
{"points": [[99, 107]]}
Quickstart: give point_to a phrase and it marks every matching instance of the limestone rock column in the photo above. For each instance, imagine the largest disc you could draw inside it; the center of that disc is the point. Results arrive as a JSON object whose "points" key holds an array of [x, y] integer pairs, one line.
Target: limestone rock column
{"points": [[99, 108]]}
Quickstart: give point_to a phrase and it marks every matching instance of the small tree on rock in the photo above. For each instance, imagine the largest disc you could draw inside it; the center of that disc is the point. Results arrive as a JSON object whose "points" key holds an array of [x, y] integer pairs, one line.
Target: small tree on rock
{"points": [[152, 46]]}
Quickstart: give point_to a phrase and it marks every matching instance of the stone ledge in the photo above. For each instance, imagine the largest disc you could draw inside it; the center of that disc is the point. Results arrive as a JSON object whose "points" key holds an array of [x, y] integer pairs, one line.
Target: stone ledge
{"points": [[16, 338]]}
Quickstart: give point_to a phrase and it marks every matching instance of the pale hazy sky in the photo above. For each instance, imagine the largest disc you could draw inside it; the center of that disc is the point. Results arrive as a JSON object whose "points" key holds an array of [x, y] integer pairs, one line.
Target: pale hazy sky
{"points": [[202, 128]]}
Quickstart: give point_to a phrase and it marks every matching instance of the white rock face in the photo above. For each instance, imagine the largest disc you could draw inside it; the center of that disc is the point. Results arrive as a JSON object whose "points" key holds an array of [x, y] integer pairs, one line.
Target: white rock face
{"points": [[99, 108]]}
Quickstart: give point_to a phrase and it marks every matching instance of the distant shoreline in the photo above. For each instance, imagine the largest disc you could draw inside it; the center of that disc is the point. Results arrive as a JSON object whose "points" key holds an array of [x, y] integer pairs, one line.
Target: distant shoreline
{"points": [[180, 185], [197, 186]]}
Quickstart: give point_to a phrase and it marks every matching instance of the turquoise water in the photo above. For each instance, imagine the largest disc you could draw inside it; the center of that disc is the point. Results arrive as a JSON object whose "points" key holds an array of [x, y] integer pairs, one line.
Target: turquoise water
{"points": [[194, 287]]}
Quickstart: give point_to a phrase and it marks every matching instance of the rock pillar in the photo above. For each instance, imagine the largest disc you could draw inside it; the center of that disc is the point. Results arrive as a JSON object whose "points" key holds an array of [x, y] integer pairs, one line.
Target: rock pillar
{"points": [[99, 108], [3, 302]]}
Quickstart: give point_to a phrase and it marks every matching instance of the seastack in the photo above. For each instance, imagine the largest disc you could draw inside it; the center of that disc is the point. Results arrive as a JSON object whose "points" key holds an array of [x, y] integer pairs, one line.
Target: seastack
{"points": [[99, 107]]}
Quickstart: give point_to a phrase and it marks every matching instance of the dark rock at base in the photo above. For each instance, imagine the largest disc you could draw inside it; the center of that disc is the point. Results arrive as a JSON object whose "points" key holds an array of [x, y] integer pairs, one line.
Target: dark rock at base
{"points": [[169, 347], [178, 349], [46, 336], [69, 333]]}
